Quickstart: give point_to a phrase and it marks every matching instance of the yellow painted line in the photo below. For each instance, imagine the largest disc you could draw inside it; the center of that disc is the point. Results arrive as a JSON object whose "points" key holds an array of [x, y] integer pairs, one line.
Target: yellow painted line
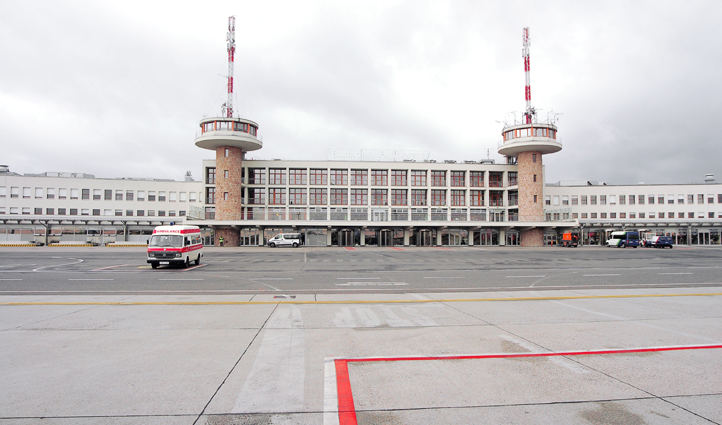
{"points": [[415, 301]]}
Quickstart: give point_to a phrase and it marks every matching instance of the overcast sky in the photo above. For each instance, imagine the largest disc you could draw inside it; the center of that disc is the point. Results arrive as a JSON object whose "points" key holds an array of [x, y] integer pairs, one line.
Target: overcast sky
{"points": [[117, 88]]}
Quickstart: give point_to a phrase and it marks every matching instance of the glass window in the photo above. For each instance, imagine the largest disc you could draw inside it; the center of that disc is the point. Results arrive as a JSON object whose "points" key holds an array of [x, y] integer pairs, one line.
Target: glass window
{"points": [[39, 192], [339, 196], [49, 193], [161, 196], [74, 193], [108, 194], [277, 176], [359, 196], [297, 176], [398, 197], [418, 197], [438, 197], [359, 177], [276, 196], [317, 196], [172, 196], [151, 195], [183, 196], [476, 178], [458, 198], [97, 194], [476, 198], [438, 178], [379, 178], [398, 178], [319, 176], [379, 197], [297, 196], [457, 178], [339, 177], [129, 195], [418, 178]]}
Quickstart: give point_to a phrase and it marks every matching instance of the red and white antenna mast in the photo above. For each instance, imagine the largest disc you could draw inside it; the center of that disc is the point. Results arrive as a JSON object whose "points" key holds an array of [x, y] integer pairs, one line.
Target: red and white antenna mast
{"points": [[231, 47], [530, 112]]}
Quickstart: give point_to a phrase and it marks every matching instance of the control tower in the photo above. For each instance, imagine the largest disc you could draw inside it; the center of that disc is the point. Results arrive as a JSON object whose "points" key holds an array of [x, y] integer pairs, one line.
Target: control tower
{"points": [[528, 142], [230, 137]]}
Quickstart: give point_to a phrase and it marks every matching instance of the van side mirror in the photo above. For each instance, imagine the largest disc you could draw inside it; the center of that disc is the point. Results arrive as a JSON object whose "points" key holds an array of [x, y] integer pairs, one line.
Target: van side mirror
{"points": [[147, 241]]}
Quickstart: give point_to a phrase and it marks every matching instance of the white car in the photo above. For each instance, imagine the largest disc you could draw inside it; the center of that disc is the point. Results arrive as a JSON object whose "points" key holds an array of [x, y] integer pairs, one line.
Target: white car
{"points": [[286, 239]]}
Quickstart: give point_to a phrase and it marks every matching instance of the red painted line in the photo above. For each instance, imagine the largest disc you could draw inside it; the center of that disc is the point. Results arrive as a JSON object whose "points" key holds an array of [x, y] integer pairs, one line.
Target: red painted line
{"points": [[349, 248], [347, 410], [398, 249], [194, 267]]}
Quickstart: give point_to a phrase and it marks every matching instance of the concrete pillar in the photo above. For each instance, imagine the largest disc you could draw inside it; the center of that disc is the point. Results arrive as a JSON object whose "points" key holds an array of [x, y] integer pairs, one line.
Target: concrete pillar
{"points": [[260, 237], [502, 237], [471, 237], [438, 237], [328, 237], [362, 241], [406, 237], [689, 235]]}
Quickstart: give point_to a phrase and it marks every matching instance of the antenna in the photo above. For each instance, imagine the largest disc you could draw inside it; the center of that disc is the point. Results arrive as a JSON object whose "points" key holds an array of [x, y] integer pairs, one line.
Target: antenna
{"points": [[231, 48], [530, 112]]}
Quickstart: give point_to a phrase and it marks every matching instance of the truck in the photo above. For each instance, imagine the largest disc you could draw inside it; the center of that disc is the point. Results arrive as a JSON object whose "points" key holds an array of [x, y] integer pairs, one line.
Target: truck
{"points": [[570, 240], [175, 245], [623, 239]]}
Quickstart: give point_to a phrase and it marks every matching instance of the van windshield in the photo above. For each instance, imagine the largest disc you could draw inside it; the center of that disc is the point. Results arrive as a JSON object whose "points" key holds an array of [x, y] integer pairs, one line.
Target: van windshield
{"points": [[166, 240]]}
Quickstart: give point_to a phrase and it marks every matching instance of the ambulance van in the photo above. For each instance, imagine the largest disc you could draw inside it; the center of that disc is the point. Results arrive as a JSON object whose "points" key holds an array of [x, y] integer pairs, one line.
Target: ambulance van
{"points": [[175, 245]]}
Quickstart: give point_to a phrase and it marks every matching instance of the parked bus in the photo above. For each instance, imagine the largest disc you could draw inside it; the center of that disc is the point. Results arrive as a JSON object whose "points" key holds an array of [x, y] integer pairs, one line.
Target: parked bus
{"points": [[623, 239]]}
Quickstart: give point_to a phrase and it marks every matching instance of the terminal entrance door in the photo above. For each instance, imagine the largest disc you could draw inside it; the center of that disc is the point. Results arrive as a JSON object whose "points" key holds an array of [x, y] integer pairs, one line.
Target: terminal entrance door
{"points": [[703, 237], [386, 237], [345, 237], [424, 238]]}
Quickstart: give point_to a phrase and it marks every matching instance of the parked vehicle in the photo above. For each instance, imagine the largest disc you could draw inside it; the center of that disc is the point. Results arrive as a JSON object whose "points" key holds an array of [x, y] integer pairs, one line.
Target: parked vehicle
{"points": [[175, 245], [286, 239], [623, 239], [570, 240], [658, 242]]}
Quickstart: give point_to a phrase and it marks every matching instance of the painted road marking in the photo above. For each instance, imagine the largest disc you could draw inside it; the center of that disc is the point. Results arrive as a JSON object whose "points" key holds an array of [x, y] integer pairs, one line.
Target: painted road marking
{"points": [[443, 277], [77, 261], [676, 273], [110, 267], [270, 278], [409, 301], [194, 267], [91, 279], [174, 279], [541, 275], [10, 279], [358, 278], [372, 284], [599, 275], [347, 410]]}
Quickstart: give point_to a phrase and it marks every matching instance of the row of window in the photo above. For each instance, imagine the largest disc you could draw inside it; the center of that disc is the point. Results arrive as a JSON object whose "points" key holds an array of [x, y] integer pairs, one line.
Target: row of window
{"points": [[362, 177], [92, 212], [373, 214], [323, 196], [530, 132], [228, 126], [647, 215], [97, 194], [679, 199]]}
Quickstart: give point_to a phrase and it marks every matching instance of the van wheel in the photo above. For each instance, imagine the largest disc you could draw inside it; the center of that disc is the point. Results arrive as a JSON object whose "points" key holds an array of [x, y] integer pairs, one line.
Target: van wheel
{"points": [[295, 244], [272, 245], [154, 264], [198, 260], [187, 263], [621, 245]]}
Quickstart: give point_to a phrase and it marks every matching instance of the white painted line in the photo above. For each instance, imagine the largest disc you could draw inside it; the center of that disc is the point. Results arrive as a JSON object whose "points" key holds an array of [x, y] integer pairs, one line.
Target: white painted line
{"points": [[91, 279], [271, 278], [269, 286], [372, 284], [330, 397], [78, 261], [675, 273], [598, 275], [443, 277], [358, 278], [10, 279], [541, 275]]}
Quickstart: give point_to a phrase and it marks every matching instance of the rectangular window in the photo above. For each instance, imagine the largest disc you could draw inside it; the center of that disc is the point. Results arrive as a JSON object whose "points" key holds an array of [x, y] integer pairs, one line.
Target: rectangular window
{"points": [[74, 193], [379, 197], [297, 196], [73, 211], [15, 192], [575, 199], [398, 197], [476, 178], [632, 199], [438, 178], [182, 196], [108, 194], [548, 200], [161, 213], [211, 175], [49, 193], [297, 176], [496, 198], [317, 196], [496, 179], [96, 212], [584, 199], [119, 195], [38, 211], [49, 211], [61, 211], [622, 199], [319, 176], [359, 196], [593, 199], [660, 199], [476, 198], [690, 199], [62, 193], [210, 195], [457, 198], [26, 192], [513, 180], [602, 199], [97, 194], [418, 197], [39, 192], [140, 213], [256, 195], [257, 176], [276, 196], [359, 177], [151, 195], [650, 199], [339, 177], [603, 215], [339, 196], [670, 199], [172, 196], [680, 199], [398, 178], [4, 193], [277, 176], [457, 178], [640, 200], [418, 177], [379, 178], [565, 199], [710, 199], [438, 197], [129, 195], [225, 196], [161, 196]]}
